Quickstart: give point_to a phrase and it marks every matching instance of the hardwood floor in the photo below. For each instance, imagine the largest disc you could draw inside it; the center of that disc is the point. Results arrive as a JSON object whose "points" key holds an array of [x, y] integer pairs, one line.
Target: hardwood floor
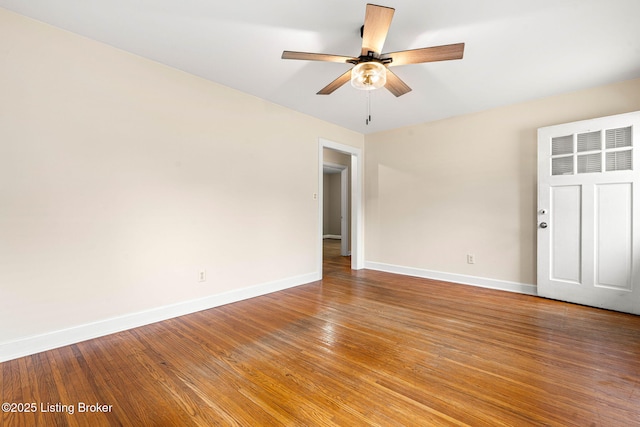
{"points": [[357, 348]]}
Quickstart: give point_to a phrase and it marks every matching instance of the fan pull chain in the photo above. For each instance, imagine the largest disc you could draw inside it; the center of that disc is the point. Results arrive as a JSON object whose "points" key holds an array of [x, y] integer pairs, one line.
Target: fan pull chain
{"points": [[368, 119]]}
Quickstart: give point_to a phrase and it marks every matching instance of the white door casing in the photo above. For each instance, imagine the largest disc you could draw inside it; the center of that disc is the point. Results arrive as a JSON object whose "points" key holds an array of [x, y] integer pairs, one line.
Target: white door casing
{"points": [[355, 193], [588, 180]]}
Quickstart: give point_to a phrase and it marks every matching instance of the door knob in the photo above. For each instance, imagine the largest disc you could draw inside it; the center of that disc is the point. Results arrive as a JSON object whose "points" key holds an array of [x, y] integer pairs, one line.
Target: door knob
{"points": [[543, 225]]}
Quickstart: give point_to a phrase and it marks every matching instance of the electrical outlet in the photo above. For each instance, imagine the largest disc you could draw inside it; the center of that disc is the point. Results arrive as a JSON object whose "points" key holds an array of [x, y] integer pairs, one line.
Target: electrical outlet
{"points": [[471, 259], [202, 276]]}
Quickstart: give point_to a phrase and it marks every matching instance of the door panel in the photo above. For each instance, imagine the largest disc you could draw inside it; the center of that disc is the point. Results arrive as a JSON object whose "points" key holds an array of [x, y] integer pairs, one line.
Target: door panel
{"points": [[566, 233], [614, 238]]}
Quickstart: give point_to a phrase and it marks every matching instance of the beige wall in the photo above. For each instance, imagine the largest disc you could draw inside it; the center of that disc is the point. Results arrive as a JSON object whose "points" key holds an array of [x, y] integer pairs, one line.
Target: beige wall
{"points": [[120, 178], [335, 157], [438, 191]]}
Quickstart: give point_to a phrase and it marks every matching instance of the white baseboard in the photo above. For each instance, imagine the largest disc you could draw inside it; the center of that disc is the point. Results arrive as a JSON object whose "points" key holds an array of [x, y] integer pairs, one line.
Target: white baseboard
{"points": [[483, 282], [36, 344], [332, 236]]}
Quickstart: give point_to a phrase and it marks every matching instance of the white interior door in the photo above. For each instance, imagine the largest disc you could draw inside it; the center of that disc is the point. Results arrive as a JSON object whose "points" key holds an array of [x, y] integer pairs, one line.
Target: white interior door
{"points": [[344, 212], [588, 212]]}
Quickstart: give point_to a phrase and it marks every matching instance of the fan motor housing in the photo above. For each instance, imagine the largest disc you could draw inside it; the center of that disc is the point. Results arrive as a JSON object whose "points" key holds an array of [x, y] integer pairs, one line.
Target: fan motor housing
{"points": [[370, 57]]}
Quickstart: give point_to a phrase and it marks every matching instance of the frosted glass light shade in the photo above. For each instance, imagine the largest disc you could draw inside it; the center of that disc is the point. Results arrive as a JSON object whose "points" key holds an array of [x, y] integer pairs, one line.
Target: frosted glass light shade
{"points": [[368, 76]]}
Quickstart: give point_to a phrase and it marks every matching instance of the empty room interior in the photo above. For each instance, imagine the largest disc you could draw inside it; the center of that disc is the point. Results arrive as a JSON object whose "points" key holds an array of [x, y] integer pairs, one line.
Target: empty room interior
{"points": [[337, 213]]}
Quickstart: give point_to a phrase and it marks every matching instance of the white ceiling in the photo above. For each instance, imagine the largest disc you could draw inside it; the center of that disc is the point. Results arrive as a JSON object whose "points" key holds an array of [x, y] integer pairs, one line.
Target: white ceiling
{"points": [[516, 50]]}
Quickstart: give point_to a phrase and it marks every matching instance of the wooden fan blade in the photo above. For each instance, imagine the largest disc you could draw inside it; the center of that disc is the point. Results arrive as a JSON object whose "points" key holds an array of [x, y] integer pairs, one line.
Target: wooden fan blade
{"points": [[331, 87], [395, 85], [316, 56], [377, 20], [427, 54]]}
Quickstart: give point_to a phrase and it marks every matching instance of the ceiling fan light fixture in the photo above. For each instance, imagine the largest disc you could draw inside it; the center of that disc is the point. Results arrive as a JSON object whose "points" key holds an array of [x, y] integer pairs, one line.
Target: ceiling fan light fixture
{"points": [[370, 67], [369, 75]]}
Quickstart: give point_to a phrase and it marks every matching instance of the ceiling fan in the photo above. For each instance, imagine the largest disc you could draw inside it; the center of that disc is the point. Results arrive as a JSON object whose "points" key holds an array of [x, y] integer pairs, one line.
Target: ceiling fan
{"points": [[371, 68]]}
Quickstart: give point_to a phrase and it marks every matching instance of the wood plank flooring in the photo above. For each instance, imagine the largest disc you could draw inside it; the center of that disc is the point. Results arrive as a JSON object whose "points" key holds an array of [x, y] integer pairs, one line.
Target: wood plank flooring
{"points": [[358, 348]]}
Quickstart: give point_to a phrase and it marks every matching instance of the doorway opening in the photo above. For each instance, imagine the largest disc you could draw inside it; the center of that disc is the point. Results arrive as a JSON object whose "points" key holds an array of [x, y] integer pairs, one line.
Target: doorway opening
{"points": [[345, 161], [336, 203]]}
